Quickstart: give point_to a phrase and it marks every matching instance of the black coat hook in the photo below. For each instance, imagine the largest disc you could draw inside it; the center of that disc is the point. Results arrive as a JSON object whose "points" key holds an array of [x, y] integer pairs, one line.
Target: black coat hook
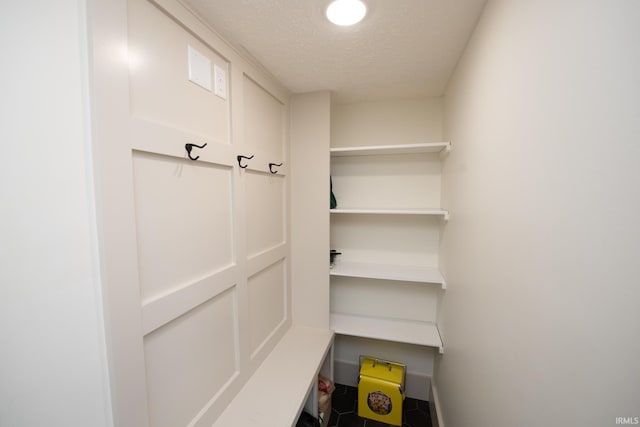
{"points": [[271, 165], [240, 160], [189, 147]]}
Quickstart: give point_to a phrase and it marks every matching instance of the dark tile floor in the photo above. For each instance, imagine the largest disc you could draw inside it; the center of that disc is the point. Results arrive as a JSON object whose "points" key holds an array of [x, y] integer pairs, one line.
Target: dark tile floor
{"points": [[344, 412]]}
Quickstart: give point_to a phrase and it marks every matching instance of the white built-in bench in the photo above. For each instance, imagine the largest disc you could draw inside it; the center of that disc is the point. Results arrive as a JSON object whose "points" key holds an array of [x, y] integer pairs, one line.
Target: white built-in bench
{"points": [[276, 393]]}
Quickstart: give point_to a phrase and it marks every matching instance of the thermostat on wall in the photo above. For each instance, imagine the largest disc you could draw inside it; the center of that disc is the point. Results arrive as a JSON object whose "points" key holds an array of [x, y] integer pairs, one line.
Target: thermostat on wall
{"points": [[199, 68]]}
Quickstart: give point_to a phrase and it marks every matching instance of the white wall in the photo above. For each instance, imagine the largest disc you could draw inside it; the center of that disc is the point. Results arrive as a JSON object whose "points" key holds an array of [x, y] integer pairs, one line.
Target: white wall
{"points": [[386, 122], [52, 363], [541, 319]]}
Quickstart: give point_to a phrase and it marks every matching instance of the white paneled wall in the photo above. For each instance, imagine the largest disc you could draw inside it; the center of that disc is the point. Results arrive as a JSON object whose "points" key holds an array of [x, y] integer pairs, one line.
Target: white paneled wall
{"points": [[267, 308], [169, 228], [159, 91], [195, 250], [178, 356], [265, 201]]}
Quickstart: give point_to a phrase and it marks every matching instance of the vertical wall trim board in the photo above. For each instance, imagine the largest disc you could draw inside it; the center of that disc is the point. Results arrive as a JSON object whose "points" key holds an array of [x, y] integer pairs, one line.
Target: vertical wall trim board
{"points": [[434, 407], [309, 134]]}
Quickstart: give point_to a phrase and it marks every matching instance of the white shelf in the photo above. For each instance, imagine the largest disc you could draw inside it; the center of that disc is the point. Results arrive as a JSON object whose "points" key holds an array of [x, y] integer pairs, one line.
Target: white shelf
{"points": [[256, 404], [405, 331], [405, 273], [372, 150], [392, 211]]}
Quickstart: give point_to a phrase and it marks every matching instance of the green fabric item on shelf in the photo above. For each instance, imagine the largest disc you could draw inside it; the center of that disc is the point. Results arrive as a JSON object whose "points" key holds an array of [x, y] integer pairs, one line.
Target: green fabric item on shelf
{"points": [[334, 203]]}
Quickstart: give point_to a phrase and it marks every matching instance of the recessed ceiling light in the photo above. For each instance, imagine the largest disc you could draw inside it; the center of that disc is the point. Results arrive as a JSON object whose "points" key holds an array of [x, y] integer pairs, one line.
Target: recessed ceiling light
{"points": [[346, 12]]}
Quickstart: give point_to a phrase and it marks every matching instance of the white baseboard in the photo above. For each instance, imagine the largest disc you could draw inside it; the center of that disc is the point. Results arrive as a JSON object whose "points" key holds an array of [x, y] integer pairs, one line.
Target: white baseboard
{"points": [[417, 385], [434, 407]]}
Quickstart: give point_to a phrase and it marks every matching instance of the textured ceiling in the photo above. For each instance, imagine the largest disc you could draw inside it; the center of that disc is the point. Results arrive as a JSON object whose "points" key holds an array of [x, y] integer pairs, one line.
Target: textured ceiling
{"points": [[403, 48]]}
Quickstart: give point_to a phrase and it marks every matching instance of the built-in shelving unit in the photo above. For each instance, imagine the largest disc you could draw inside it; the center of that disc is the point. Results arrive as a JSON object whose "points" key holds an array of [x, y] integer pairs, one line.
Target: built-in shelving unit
{"points": [[408, 175]]}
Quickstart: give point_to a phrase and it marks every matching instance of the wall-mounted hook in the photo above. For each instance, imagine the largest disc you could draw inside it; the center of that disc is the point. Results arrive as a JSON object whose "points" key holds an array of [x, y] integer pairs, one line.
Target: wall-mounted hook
{"points": [[240, 160], [189, 147], [271, 165]]}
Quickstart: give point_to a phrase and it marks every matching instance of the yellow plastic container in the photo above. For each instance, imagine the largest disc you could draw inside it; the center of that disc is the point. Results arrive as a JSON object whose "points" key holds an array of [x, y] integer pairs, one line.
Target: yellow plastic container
{"points": [[381, 390]]}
